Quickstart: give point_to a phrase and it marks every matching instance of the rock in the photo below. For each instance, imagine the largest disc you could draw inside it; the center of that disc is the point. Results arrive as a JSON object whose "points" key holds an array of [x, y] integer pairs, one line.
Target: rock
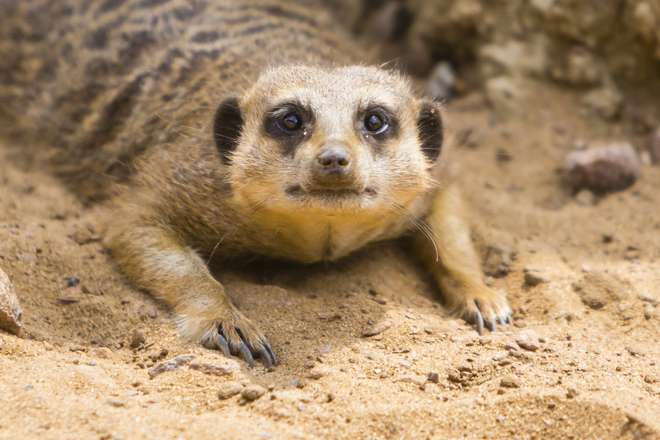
{"points": [[116, 403], [585, 197], [605, 102], [320, 371], [433, 377], [510, 381], [171, 365], [229, 389], [152, 313], [506, 97], [649, 378], [10, 310], [528, 339], [571, 393], [137, 339], [464, 367], [513, 58], [646, 22], [211, 369], [581, 69], [511, 346], [442, 81], [377, 328], [101, 353], [253, 392], [596, 290], [498, 260], [159, 355], [534, 278], [454, 376], [82, 236], [637, 350], [602, 169], [654, 148]]}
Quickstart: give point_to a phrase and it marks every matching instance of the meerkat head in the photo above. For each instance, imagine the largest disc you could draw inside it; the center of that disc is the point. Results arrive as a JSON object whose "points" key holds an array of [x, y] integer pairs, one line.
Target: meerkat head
{"points": [[351, 138]]}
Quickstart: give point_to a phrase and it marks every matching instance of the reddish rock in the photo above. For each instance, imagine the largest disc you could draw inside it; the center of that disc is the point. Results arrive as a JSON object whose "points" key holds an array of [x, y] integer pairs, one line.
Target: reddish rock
{"points": [[602, 169], [171, 365]]}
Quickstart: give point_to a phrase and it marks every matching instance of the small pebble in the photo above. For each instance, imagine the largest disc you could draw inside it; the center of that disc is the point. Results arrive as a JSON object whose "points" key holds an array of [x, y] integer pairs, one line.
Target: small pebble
{"points": [[498, 260], [454, 376], [464, 367], [152, 313], [101, 353], [171, 365], [377, 328], [510, 381], [433, 377], [636, 350], [253, 392], [331, 396], [229, 389], [536, 278], [572, 392], [319, 372], [528, 339], [116, 402], [585, 197], [511, 346], [82, 236], [72, 281], [137, 339]]}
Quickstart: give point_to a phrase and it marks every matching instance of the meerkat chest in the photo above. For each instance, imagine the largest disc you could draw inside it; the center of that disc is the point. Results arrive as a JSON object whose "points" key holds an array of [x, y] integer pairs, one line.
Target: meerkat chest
{"points": [[309, 238]]}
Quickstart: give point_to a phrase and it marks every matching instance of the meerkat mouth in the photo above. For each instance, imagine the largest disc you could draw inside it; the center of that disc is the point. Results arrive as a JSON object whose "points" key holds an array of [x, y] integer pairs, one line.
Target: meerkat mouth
{"points": [[298, 192]]}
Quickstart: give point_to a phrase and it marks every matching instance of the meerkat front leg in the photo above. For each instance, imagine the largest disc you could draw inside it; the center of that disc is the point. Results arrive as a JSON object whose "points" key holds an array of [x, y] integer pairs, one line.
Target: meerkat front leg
{"points": [[153, 257], [454, 264]]}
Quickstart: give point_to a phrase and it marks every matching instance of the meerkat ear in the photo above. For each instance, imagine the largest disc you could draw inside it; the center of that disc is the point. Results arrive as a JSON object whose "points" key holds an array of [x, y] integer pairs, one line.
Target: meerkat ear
{"points": [[227, 127], [429, 125]]}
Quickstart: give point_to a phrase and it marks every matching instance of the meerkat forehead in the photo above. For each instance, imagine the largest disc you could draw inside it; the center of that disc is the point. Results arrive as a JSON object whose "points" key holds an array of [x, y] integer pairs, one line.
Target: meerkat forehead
{"points": [[343, 86]]}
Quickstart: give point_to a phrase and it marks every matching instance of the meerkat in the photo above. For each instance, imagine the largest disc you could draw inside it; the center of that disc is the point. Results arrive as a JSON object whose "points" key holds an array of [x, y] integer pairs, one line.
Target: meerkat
{"points": [[237, 129]]}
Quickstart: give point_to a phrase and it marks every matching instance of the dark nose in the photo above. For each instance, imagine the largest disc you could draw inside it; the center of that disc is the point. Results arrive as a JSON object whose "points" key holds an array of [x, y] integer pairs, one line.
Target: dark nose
{"points": [[334, 160]]}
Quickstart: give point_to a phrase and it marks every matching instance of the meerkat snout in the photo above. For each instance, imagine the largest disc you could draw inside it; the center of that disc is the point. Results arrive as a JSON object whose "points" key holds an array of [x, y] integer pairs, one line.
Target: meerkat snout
{"points": [[333, 165]]}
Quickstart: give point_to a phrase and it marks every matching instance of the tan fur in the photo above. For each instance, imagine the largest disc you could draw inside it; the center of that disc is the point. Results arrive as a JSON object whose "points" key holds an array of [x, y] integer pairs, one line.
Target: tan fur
{"points": [[185, 204]]}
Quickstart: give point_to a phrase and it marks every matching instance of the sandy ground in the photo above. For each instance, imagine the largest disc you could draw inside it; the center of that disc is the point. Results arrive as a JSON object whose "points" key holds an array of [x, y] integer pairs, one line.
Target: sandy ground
{"points": [[596, 374]]}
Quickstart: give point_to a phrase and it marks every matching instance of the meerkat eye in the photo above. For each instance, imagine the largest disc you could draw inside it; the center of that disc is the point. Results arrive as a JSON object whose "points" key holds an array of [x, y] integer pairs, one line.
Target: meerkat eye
{"points": [[375, 123], [290, 122]]}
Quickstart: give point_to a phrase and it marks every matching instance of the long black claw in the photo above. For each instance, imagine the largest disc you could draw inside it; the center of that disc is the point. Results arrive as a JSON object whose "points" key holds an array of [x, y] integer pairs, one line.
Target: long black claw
{"points": [[270, 351], [492, 324], [502, 323], [221, 343], [265, 356], [480, 323], [244, 353]]}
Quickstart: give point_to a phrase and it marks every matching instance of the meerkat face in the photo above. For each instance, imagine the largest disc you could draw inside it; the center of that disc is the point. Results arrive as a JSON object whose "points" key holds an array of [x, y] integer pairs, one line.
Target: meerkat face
{"points": [[332, 140]]}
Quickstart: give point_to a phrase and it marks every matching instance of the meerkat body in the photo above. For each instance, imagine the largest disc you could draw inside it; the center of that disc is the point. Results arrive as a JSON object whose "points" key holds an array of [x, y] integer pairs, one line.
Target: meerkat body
{"points": [[251, 134]]}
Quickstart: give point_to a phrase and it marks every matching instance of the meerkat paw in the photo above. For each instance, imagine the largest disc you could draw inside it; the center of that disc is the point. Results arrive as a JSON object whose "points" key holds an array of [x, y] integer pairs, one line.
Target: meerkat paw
{"points": [[235, 335], [483, 305]]}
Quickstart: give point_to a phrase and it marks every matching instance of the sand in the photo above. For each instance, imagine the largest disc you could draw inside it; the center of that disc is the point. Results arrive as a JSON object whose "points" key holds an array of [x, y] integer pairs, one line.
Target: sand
{"points": [[595, 373]]}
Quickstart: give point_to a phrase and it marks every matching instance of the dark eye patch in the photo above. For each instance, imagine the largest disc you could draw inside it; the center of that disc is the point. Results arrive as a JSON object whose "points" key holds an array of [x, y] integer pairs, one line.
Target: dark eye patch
{"points": [[289, 123], [378, 123]]}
